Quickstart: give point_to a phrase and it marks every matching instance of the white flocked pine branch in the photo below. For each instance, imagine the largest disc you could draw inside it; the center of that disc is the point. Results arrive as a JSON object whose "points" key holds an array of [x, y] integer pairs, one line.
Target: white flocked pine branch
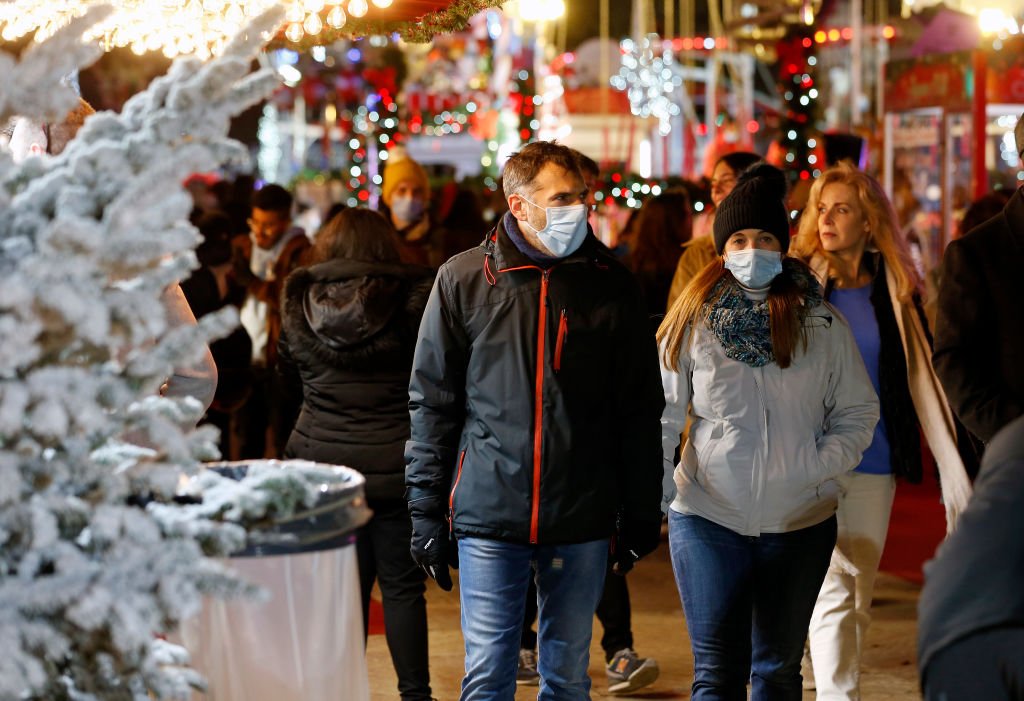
{"points": [[96, 559]]}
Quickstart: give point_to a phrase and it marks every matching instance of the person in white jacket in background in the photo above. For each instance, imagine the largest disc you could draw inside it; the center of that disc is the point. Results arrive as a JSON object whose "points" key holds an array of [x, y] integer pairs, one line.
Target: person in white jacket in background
{"points": [[780, 406]]}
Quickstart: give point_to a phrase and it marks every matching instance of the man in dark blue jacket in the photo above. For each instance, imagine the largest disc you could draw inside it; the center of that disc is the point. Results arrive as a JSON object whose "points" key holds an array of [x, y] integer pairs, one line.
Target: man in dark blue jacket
{"points": [[979, 325], [535, 400], [970, 634]]}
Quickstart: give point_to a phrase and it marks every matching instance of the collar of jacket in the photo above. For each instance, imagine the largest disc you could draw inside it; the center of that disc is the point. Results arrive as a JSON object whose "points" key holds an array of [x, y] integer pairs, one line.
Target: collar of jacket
{"points": [[819, 266], [417, 233], [503, 251]]}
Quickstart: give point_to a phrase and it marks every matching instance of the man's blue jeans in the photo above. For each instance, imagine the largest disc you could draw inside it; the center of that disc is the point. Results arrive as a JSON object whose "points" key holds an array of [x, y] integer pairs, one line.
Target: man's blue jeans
{"points": [[748, 601], [493, 577]]}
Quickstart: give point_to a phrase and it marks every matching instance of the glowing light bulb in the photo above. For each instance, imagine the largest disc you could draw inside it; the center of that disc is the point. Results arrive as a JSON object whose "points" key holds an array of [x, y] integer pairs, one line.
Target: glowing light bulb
{"points": [[295, 13], [382, 3], [336, 18], [313, 24], [357, 8], [173, 27], [294, 33]]}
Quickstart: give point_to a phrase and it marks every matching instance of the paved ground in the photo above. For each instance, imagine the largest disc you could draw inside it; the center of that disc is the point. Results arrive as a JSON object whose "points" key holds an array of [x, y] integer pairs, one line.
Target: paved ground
{"points": [[660, 632]]}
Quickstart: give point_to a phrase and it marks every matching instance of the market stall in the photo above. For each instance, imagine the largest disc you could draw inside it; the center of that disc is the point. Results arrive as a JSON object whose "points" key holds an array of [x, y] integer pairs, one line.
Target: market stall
{"points": [[946, 142]]}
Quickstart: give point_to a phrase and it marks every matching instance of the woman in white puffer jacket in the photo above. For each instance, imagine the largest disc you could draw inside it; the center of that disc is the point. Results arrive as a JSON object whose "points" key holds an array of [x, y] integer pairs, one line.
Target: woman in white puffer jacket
{"points": [[781, 405]]}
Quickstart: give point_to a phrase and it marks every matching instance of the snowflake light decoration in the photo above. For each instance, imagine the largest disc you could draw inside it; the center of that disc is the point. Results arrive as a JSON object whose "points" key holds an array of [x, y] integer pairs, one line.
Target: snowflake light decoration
{"points": [[651, 78]]}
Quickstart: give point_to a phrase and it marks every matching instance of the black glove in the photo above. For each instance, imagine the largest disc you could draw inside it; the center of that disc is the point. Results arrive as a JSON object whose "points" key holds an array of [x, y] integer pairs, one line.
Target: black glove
{"points": [[430, 548], [633, 540]]}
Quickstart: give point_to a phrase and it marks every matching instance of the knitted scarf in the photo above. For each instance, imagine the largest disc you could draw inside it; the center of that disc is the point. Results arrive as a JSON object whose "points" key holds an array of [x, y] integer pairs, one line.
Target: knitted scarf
{"points": [[742, 325]]}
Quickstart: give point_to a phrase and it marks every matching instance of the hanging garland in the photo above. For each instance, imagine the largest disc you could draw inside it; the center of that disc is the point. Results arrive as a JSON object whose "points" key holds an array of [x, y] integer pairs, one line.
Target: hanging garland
{"points": [[453, 18]]}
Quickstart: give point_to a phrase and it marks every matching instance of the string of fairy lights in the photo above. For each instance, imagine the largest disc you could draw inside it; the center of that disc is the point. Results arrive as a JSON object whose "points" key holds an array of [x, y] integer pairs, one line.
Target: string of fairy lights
{"points": [[651, 73], [177, 27]]}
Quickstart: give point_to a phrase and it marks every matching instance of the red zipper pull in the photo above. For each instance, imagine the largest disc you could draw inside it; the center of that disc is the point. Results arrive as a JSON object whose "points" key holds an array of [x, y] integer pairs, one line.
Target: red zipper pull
{"points": [[563, 331]]}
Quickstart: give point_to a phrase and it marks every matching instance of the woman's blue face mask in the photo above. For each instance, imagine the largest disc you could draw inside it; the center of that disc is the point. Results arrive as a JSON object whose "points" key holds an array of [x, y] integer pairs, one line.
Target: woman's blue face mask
{"points": [[754, 267]]}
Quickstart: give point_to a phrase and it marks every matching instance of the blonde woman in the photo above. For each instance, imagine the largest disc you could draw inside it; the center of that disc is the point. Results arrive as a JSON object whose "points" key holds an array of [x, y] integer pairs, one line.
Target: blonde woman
{"points": [[781, 407], [849, 236]]}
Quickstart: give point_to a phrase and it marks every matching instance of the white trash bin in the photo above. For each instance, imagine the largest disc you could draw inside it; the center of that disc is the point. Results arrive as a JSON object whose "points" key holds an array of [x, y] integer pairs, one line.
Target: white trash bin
{"points": [[306, 642]]}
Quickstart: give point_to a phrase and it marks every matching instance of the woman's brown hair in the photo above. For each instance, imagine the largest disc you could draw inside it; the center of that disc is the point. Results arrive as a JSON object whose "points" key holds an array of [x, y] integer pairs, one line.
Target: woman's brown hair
{"points": [[883, 226], [785, 300], [663, 225], [357, 233]]}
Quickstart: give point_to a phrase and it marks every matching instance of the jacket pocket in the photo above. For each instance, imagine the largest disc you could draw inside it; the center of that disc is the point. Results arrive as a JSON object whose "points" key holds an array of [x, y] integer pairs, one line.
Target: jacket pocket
{"points": [[829, 489], [825, 486], [451, 494], [707, 450], [563, 332]]}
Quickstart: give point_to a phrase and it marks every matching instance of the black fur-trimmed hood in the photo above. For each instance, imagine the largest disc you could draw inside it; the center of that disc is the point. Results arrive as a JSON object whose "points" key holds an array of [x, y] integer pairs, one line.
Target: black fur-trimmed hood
{"points": [[348, 313]]}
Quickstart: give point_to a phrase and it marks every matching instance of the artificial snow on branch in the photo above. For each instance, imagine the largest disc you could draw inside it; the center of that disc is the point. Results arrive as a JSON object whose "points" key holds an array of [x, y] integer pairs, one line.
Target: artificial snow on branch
{"points": [[33, 85], [95, 562]]}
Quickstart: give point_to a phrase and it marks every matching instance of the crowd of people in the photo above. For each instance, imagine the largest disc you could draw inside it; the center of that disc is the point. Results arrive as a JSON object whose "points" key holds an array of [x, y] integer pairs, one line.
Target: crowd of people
{"points": [[333, 332], [529, 405], [796, 381]]}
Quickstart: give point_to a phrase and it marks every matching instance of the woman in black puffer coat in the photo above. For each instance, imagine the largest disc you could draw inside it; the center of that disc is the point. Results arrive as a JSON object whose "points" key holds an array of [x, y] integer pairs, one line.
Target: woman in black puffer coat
{"points": [[349, 329]]}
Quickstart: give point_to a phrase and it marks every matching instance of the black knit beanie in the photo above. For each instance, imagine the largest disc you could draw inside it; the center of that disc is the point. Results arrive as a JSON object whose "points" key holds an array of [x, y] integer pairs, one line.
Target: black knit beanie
{"points": [[756, 202]]}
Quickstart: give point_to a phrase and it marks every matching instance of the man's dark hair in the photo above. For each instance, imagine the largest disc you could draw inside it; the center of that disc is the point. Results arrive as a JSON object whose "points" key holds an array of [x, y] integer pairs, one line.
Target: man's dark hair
{"points": [[272, 198], [336, 209], [523, 167], [587, 165], [215, 228], [983, 209]]}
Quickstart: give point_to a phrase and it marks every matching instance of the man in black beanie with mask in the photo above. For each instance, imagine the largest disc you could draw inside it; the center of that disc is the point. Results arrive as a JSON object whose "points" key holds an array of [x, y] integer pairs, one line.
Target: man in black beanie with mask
{"points": [[979, 327]]}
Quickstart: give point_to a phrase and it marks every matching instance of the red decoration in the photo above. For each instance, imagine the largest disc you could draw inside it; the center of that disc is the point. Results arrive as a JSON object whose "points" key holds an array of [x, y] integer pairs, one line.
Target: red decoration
{"points": [[588, 101], [484, 124], [382, 79], [915, 83]]}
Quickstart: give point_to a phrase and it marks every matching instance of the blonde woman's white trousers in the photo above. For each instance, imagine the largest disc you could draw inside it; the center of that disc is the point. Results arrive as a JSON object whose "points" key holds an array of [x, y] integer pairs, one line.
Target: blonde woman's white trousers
{"points": [[842, 613]]}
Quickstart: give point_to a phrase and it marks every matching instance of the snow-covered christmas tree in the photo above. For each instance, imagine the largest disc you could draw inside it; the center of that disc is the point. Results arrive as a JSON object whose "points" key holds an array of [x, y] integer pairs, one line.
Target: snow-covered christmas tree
{"points": [[97, 560]]}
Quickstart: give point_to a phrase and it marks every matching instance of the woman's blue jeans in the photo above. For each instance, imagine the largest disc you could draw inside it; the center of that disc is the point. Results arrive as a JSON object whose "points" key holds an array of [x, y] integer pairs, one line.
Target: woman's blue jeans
{"points": [[493, 577], [748, 601]]}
